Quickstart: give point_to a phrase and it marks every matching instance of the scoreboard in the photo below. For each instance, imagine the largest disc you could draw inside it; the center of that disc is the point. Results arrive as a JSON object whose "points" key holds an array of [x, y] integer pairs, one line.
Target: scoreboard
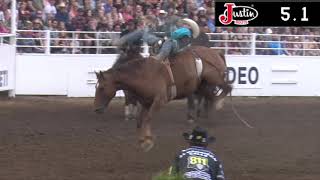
{"points": [[267, 13]]}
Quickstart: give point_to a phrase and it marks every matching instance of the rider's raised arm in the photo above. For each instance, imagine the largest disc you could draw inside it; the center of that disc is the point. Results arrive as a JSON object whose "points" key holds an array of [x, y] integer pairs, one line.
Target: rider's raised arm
{"points": [[130, 38], [136, 36]]}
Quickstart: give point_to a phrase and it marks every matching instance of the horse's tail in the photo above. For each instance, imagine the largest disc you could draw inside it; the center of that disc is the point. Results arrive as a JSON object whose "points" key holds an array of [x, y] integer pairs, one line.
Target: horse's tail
{"points": [[237, 114], [228, 87]]}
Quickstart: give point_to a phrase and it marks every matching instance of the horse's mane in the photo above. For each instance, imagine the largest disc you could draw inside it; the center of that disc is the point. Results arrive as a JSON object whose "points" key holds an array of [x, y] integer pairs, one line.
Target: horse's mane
{"points": [[127, 53], [131, 66], [202, 40]]}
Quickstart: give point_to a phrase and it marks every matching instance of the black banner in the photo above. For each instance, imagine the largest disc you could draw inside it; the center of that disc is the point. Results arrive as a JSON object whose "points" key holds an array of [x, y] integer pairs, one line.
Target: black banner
{"points": [[264, 14]]}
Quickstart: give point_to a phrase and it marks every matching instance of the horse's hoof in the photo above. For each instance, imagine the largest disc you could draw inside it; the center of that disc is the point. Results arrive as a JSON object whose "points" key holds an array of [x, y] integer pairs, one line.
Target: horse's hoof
{"points": [[219, 104], [147, 145]]}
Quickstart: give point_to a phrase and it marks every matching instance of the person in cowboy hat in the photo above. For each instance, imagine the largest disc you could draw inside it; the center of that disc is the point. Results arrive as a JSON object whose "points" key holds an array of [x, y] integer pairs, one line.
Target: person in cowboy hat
{"points": [[178, 40], [197, 162]]}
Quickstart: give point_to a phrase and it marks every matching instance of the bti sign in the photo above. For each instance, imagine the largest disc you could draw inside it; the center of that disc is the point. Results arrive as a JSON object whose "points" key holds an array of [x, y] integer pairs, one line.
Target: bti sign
{"points": [[244, 76]]}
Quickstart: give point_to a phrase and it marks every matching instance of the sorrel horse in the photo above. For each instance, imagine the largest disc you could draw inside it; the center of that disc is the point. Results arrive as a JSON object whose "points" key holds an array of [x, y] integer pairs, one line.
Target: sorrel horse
{"points": [[132, 51], [150, 82]]}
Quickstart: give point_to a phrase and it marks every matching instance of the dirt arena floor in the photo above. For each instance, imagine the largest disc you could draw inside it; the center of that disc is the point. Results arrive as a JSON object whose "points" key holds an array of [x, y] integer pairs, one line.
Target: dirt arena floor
{"points": [[58, 138]]}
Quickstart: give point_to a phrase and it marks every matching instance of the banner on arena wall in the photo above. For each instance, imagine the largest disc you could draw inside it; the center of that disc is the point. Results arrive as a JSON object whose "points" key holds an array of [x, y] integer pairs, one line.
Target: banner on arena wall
{"points": [[7, 67], [244, 75]]}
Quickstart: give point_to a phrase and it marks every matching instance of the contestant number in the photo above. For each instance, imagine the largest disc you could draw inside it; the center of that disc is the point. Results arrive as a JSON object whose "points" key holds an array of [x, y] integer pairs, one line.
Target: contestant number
{"points": [[285, 14], [198, 160]]}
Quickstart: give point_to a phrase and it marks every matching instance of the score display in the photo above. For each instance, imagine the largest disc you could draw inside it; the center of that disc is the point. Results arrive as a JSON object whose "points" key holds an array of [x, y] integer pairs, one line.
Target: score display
{"points": [[259, 13]]}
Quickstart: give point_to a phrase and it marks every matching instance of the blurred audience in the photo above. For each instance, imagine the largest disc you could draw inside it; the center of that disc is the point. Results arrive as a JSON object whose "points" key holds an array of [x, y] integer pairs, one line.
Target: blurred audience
{"points": [[118, 16]]}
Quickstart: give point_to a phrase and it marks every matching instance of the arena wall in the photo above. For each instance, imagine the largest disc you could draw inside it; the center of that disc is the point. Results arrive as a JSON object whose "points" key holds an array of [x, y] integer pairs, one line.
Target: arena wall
{"points": [[7, 64], [73, 75]]}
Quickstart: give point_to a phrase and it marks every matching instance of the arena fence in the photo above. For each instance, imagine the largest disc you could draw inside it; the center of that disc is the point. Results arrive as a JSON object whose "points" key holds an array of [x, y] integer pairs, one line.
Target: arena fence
{"points": [[84, 42], [53, 68]]}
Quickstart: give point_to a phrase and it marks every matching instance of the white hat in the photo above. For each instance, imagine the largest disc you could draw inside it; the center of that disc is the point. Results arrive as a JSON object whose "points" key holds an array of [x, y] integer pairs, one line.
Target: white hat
{"points": [[202, 9], [62, 4], [268, 31], [162, 11], [194, 26], [1, 16]]}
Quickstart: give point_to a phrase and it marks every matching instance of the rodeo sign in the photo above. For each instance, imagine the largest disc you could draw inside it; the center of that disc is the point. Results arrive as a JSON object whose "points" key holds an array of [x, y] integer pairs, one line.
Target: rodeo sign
{"points": [[244, 76]]}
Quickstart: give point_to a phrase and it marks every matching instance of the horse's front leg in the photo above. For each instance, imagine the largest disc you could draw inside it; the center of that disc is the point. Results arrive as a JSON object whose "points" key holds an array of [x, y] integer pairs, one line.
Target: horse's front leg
{"points": [[127, 109], [146, 137], [131, 106], [144, 128]]}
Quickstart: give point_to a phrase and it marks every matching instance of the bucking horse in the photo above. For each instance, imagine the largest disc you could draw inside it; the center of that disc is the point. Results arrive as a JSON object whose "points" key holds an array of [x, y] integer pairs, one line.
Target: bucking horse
{"points": [[197, 103], [154, 83]]}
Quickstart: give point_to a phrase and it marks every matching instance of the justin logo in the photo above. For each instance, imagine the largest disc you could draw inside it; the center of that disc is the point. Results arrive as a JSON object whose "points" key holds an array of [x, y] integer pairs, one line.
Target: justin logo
{"points": [[241, 15]]}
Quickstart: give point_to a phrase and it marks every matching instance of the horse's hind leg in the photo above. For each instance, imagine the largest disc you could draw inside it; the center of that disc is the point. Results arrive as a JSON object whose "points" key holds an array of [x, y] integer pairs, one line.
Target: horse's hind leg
{"points": [[205, 98], [207, 104], [226, 89], [219, 82], [192, 101]]}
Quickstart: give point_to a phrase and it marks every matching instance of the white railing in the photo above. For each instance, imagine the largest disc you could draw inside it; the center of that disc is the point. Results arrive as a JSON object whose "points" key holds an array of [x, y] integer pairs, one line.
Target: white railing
{"points": [[6, 38], [78, 42]]}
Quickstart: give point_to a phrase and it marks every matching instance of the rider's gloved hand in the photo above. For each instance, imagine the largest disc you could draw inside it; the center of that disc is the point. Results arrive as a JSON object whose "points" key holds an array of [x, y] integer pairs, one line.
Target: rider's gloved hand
{"points": [[160, 42]]}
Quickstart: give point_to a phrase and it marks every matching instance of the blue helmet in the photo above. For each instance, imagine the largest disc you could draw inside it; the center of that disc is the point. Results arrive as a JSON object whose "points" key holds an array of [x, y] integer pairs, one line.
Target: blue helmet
{"points": [[180, 33]]}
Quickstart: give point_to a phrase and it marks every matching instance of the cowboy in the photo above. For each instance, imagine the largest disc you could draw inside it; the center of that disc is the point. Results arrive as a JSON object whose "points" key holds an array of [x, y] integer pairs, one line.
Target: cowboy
{"points": [[197, 162], [180, 38]]}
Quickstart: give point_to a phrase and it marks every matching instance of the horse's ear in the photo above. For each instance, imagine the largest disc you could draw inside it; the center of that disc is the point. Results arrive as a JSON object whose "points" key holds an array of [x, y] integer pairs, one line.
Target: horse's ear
{"points": [[97, 74], [101, 75]]}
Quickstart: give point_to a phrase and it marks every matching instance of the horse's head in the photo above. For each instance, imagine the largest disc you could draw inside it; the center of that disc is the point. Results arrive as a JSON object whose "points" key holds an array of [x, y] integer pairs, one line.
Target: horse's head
{"points": [[105, 91]]}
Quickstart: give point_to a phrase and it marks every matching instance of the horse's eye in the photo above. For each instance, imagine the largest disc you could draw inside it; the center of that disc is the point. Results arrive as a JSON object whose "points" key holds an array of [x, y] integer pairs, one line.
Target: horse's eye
{"points": [[99, 87]]}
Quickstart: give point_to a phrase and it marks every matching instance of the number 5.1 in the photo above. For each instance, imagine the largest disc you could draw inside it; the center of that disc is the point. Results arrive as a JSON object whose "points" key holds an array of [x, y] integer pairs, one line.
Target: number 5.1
{"points": [[304, 17], [285, 16]]}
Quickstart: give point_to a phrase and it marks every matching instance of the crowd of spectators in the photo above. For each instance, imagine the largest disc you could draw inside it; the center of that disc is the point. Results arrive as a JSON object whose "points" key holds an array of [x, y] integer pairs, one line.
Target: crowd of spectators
{"points": [[116, 15]]}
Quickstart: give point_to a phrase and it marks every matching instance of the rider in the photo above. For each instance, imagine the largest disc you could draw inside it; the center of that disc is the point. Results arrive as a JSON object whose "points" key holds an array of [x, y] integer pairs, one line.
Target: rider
{"points": [[197, 162], [179, 39]]}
